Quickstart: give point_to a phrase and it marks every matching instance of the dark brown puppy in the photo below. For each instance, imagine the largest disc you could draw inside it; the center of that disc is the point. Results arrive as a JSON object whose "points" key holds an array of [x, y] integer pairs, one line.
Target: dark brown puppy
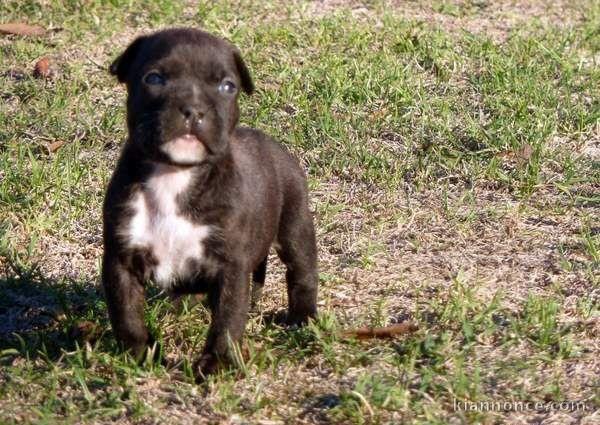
{"points": [[196, 202]]}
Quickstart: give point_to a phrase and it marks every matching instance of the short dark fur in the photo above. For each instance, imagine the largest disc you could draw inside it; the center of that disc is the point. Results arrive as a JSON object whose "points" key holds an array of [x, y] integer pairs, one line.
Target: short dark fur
{"points": [[248, 188]]}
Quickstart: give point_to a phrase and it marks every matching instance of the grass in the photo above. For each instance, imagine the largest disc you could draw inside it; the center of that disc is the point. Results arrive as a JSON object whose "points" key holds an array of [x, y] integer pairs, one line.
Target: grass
{"points": [[452, 152]]}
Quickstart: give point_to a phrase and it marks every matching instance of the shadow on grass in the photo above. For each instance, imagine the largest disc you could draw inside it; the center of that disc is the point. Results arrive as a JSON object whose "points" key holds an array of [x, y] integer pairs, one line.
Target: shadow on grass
{"points": [[40, 315]]}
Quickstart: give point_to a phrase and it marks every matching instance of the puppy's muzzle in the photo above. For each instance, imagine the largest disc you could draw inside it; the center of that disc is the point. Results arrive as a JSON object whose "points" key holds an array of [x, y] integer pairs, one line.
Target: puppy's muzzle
{"points": [[187, 149]]}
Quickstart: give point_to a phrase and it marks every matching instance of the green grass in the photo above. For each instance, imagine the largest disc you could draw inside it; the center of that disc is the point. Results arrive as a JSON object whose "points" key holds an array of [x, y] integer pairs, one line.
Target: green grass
{"points": [[454, 183]]}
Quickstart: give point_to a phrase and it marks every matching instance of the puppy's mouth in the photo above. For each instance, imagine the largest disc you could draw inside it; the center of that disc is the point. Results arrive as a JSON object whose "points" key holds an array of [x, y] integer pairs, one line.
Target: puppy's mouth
{"points": [[187, 149]]}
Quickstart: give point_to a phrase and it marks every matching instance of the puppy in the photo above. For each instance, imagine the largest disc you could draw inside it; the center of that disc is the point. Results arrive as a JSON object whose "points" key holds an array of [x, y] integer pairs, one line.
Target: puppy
{"points": [[195, 201]]}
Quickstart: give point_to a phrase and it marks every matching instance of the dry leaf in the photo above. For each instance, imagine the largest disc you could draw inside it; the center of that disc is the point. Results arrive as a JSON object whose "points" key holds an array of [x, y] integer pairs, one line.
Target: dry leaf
{"points": [[384, 332], [523, 154], [18, 28], [53, 147], [42, 68]]}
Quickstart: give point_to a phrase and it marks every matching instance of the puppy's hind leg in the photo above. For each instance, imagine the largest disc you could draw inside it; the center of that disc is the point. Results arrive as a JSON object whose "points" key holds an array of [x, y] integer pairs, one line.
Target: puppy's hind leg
{"points": [[298, 251], [258, 282]]}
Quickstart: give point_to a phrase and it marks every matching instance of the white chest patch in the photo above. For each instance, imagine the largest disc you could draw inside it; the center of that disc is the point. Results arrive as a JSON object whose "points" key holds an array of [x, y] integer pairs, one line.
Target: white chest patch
{"points": [[157, 225]]}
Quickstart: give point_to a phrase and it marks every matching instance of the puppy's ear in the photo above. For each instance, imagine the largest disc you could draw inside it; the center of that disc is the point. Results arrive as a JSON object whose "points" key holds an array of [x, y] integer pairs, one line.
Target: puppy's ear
{"points": [[122, 65], [242, 69]]}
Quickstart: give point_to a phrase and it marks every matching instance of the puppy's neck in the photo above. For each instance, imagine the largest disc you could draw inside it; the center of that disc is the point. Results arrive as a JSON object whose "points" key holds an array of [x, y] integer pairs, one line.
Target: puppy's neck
{"points": [[216, 174]]}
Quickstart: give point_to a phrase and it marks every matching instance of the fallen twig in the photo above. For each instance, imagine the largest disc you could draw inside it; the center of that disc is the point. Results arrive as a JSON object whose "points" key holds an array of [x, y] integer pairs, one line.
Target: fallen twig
{"points": [[18, 28], [384, 332]]}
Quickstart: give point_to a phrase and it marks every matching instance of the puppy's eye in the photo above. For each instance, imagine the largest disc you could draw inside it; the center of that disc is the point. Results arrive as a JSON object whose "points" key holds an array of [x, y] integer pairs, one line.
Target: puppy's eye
{"points": [[154, 79], [227, 87]]}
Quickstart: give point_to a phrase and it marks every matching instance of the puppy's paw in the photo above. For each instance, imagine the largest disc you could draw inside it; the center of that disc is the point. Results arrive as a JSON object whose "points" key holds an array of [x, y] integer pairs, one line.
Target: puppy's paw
{"points": [[206, 365], [148, 353], [300, 318]]}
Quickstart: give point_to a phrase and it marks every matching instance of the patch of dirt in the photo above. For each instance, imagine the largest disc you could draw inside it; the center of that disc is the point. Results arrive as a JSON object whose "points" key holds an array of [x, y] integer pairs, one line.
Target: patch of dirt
{"points": [[398, 245]]}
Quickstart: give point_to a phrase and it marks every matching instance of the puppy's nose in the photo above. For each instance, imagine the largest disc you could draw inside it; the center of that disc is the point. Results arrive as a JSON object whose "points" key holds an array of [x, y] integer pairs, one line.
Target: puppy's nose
{"points": [[191, 112]]}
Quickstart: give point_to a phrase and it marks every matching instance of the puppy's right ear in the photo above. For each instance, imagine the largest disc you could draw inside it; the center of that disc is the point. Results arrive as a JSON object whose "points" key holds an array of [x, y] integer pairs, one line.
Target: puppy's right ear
{"points": [[243, 72], [122, 65]]}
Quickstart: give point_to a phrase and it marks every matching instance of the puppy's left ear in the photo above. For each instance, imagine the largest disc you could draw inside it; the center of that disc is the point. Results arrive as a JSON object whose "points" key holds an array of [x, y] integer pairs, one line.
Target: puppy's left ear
{"points": [[122, 65], [243, 72]]}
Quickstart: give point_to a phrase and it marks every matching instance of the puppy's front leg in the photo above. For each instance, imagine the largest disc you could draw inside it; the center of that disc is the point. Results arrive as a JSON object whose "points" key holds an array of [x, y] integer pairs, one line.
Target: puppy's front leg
{"points": [[229, 307], [125, 297]]}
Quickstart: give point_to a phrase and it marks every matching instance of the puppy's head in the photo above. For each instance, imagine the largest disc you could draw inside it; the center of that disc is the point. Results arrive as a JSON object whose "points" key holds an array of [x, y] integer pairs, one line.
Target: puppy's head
{"points": [[182, 87]]}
